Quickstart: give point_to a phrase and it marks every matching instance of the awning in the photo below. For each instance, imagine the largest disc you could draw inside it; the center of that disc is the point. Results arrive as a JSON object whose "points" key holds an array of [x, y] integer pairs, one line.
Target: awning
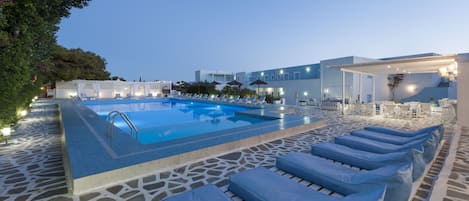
{"points": [[429, 64]]}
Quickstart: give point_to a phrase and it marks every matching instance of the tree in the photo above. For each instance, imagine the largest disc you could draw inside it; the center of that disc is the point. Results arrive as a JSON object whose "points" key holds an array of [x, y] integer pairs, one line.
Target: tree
{"points": [[73, 64], [393, 82], [27, 38]]}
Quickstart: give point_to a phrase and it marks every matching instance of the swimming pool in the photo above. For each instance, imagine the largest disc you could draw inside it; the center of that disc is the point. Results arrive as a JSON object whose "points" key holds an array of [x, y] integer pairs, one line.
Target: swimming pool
{"points": [[168, 119]]}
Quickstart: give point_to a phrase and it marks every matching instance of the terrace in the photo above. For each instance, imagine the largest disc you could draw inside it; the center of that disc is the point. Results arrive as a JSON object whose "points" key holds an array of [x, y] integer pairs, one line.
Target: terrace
{"points": [[32, 168]]}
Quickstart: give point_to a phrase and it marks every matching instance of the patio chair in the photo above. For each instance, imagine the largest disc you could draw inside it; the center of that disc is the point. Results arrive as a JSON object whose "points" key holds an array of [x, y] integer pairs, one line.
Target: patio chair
{"points": [[435, 130], [260, 101], [260, 184], [392, 139], [427, 145], [118, 96], [206, 192], [389, 111], [404, 111], [235, 99], [369, 160], [425, 109], [397, 177]]}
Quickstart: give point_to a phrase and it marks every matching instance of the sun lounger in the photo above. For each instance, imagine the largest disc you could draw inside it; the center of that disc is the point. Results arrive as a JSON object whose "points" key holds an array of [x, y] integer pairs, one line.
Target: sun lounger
{"points": [[437, 130], [260, 184], [369, 160], [397, 177], [429, 146], [208, 192], [392, 139]]}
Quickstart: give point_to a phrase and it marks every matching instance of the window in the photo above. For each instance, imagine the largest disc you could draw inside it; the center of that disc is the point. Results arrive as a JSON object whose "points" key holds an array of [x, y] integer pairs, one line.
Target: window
{"points": [[296, 75], [285, 76], [273, 77]]}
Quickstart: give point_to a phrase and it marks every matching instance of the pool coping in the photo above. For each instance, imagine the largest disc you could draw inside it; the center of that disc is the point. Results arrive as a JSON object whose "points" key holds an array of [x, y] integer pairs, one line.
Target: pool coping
{"points": [[179, 154]]}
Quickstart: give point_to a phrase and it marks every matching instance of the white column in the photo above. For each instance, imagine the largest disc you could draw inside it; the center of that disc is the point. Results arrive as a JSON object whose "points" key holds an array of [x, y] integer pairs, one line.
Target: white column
{"points": [[373, 78], [343, 92], [360, 85], [463, 93]]}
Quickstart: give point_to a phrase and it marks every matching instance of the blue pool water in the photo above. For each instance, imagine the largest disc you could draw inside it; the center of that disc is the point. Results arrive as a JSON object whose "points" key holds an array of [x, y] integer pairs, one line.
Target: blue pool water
{"points": [[167, 119]]}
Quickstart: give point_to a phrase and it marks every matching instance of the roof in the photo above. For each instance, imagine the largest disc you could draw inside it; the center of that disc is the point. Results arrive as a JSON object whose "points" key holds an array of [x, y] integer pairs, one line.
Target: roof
{"points": [[428, 64]]}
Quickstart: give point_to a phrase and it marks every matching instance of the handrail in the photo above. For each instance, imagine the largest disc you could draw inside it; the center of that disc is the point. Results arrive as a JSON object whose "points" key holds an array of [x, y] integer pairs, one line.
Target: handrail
{"points": [[110, 119]]}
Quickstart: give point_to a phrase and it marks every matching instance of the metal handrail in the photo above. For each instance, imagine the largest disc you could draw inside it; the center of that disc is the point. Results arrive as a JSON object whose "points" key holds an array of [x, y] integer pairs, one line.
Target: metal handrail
{"points": [[110, 119]]}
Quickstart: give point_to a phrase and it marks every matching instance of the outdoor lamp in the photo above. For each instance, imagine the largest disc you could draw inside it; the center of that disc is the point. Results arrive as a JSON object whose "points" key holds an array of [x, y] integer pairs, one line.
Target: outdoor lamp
{"points": [[6, 132], [23, 113]]}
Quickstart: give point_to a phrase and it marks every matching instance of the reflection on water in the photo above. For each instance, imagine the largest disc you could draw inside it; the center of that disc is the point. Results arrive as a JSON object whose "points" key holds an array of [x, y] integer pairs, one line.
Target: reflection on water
{"points": [[171, 119]]}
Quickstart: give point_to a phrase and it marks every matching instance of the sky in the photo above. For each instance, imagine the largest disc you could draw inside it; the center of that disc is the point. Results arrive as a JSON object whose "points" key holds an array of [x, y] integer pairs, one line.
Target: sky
{"points": [[171, 39]]}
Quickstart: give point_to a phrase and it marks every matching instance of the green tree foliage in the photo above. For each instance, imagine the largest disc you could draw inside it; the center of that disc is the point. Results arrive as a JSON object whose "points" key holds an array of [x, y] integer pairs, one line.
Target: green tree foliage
{"points": [[27, 38], [393, 82], [201, 88], [75, 64]]}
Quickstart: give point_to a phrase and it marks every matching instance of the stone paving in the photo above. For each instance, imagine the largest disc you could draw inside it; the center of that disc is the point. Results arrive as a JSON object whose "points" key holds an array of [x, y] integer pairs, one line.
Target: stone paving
{"points": [[458, 182], [31, 165]]}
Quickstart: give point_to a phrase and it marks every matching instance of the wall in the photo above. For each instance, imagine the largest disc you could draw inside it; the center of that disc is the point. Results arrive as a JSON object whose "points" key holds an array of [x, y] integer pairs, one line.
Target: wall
{"points": [[463, 93], [108, 88], [331, 78], [420, 81], [294, 88]]}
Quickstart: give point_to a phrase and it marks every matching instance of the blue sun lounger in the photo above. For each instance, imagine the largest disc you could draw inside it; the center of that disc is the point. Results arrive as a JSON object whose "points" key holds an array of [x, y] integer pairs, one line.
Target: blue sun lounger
{"points": [[369, 160], [388, 138], [208, 192], [341, 179], [260, 184], [429, 146], [437, 131]]}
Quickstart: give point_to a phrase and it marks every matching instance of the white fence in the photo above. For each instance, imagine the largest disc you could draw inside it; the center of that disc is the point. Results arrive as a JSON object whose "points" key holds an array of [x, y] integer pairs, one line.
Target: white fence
{"points": [[109, 88]]}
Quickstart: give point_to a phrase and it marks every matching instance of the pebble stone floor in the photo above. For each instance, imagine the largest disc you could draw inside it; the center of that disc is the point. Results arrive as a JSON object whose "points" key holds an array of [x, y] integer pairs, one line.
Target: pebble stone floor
{"points": [[458, 182], [31, 164]]}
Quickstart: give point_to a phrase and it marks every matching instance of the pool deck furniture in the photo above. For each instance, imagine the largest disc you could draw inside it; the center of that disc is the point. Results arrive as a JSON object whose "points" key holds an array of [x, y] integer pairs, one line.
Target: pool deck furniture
{"points": [[260, 184], [369, 160], [396, 177], [392, 139], [436, 130], [429, 145]]}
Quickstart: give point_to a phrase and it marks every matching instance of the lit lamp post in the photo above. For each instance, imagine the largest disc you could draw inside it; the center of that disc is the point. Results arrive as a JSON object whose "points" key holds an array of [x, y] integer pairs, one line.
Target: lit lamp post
{"points": [[6, 132]]}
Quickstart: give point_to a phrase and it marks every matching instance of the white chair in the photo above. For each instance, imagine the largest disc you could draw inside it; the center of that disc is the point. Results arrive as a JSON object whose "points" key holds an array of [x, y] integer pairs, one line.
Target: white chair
{"points": [[425, 109], [389, 111], [404, 111]]}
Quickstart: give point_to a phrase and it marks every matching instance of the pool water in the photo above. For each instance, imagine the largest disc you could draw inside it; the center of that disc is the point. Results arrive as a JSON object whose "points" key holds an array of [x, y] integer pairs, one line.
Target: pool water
{"points": [[167, 119]]}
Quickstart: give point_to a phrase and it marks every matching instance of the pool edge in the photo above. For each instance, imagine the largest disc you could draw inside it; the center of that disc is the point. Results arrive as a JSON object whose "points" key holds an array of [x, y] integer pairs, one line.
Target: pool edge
{"points": [[85, 184]]}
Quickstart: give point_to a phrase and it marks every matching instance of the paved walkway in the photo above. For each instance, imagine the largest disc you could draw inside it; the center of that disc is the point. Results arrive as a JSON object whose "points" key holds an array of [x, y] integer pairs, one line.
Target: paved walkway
{"points": [[31, 165]]}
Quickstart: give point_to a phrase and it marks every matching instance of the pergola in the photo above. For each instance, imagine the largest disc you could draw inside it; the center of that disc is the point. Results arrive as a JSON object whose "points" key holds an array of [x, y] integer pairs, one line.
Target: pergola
{"points": [[430, 64]]}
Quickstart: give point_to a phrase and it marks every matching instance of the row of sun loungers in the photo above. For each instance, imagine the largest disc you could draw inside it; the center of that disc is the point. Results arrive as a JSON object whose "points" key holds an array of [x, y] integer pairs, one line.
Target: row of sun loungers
{"points": [[385, 164], [224, 98]]}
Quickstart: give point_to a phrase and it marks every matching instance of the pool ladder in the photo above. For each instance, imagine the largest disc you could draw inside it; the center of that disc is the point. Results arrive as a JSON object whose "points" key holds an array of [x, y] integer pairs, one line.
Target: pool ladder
{"points": [[110, 119]]}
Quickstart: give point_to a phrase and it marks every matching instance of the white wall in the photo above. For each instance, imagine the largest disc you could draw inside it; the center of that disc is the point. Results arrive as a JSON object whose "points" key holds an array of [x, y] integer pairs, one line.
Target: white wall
{"points": [[421, 81], [108, 88], [331, 78], [292, 88], [463, 92]]}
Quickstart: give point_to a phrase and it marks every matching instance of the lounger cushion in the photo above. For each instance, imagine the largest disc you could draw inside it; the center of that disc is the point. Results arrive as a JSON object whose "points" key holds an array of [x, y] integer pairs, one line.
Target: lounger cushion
{"points": [[392, 139], [207, 192], [437, 131], [396, 177], [429, 146], [369, 160], [260, 184]]}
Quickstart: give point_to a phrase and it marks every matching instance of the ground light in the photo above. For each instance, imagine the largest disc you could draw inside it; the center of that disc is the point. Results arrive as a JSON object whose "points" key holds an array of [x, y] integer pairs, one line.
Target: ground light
{"points": [[6, 132], [23, 113]]}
